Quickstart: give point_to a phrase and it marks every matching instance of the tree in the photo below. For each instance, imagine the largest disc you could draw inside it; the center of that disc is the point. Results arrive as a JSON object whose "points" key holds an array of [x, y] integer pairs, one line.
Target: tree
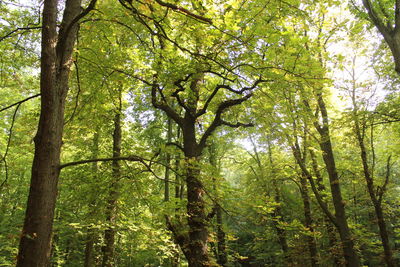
{"points": [[192, 148], [360, 118], [387, 20], [34, 249], [111, 210]]}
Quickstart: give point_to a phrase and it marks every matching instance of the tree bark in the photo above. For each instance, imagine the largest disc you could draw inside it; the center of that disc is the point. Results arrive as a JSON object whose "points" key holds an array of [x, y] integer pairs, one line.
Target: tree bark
{"points": [[167, 162], [35, 242], [336, 257], [198, 233], [197, 221], [389, 30], [89, 248], [111, 212], [349, 252], [312, 246]]}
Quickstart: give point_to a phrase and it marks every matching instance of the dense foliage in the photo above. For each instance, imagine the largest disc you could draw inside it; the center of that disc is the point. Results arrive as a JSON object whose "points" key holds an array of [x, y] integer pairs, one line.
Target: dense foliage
{"points": [[206, 133]]}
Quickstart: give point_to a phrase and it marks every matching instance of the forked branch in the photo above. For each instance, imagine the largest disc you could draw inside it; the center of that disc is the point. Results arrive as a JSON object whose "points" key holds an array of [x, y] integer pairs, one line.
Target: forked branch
{"points": [[19, 102], [230, 89], [218, 117], [163, 105]]}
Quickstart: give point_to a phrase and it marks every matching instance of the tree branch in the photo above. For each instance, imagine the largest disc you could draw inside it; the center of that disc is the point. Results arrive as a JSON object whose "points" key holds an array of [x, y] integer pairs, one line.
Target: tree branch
{"points": [[164, 105], [175, 144], [127, 158], [236, 125], [4, 158], [218, 120], [297, 155], [208, 101], [78, 81], [19, 102], [80, 162], [387, 176], [180, 88], [17, 30], [184, 11], [229, 88], [86, 11], [375, 19]]}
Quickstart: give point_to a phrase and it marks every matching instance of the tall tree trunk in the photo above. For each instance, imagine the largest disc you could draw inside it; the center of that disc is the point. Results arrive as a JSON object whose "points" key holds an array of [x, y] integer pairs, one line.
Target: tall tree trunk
{"points": [[375, 199], [318, 190], [168, 162], [111, 212], [336, 257], [197, 219], [174, 260], [89, 248], [312, 246], [198, 233], [179, 183], [35, 243], [90, 234], [277, 213], [349, 252]]}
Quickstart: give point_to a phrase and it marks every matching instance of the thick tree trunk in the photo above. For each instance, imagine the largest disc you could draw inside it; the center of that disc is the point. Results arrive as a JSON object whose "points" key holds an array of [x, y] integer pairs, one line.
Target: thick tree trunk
{"points": [[198, 233], [35, 243], [197, 221], [111, 212], [349, 252]]}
